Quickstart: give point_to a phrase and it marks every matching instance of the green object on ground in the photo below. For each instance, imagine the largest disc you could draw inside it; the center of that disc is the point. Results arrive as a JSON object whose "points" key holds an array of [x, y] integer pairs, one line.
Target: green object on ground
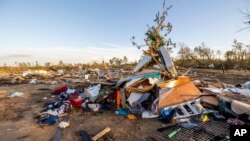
{"points": [[172, 134]]}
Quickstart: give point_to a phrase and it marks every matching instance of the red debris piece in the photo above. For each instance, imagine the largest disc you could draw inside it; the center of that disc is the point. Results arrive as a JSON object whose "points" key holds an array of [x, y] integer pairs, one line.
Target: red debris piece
{"points": [[76, 100], [60, 90]]}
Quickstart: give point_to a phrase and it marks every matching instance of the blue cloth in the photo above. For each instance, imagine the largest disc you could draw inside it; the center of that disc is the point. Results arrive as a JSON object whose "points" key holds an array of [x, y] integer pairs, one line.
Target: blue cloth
{"points": [[166, 114], [50, 120], [122, 111]]}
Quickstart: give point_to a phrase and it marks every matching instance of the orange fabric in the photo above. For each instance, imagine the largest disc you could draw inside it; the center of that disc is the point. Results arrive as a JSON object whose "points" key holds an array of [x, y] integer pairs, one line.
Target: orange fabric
{"points": [[118, 99]]}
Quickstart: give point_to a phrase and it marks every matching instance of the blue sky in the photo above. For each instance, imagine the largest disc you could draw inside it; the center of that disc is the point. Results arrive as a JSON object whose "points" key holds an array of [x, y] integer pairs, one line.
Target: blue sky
{"points": [[86, 30]]}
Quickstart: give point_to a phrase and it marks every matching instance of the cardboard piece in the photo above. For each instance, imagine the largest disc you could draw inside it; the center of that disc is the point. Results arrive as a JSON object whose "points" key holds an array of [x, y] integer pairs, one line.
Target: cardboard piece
{"points": [[141, 86], [131, 116], [211, 100]]}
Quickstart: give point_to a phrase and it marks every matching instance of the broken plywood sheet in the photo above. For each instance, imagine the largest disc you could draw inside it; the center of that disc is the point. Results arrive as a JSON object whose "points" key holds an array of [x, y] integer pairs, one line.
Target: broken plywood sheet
{"points": [[178, 94], [173, 83], [211, 100]]}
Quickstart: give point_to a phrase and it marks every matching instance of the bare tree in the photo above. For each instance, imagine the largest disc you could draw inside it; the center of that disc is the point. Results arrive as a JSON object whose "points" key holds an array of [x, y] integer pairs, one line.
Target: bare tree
{"points": [[203, 52], [240, 51], [246, 15], [60, 63], [125, 60], [185, 53], [47, 65], [229, 55], [111, 61], [218, 53]]}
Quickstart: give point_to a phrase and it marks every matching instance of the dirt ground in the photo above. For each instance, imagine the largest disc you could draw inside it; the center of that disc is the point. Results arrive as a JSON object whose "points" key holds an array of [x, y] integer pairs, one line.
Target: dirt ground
{"points": [[230, 77], [17, 123]]}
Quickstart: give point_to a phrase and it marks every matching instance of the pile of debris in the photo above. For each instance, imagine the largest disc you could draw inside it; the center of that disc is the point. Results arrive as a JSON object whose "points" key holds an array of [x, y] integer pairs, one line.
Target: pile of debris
{"points": [[207, 117], [94, 98], [190, 109], [62, 76]]}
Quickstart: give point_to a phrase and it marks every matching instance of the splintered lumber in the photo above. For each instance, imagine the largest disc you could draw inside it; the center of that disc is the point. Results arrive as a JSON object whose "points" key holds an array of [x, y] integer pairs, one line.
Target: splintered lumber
{"points": [[100, 134]]}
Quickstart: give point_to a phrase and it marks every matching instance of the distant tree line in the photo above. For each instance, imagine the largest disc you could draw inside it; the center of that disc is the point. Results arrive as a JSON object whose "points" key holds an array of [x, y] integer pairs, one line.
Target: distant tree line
{"points": [[116, 61], [113, 63], [202, 56], [238, 57]]}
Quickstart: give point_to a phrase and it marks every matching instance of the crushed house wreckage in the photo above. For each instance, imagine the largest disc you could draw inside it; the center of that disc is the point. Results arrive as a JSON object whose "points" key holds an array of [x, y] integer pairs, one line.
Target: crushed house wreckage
{"points": [[190, 109]]}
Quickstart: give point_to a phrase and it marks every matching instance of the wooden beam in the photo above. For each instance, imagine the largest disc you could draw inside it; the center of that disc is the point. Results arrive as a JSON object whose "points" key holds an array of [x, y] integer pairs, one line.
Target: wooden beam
{"points": [[100, 134]]}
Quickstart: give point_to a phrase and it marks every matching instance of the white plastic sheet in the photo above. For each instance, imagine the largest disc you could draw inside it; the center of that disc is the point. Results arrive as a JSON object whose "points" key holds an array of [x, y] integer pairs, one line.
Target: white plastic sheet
{"points": [[149, 114], [134, 97], [92, 92], [146, 59]]}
